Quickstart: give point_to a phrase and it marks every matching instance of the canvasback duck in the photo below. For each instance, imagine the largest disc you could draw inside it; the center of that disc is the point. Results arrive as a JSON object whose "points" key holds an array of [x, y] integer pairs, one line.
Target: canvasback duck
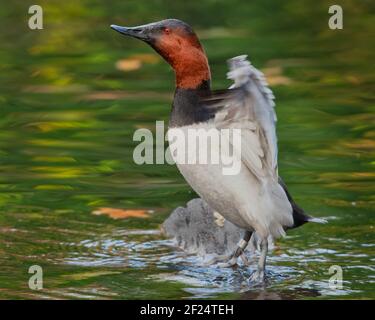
{"points": [[254, 198]]}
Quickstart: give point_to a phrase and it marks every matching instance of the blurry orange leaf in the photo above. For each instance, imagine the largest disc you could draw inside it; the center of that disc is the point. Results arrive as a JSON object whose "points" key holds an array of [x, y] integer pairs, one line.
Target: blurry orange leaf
{"points": [[136, 61], [128, 64], [122, 213], [360, 144], [146, 57], [275, 77]]}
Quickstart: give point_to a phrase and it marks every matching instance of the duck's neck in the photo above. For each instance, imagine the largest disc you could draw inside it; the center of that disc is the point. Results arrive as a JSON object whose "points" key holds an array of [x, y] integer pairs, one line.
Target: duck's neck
{"points": [[191, 68], [187, 108], [193, 79]]}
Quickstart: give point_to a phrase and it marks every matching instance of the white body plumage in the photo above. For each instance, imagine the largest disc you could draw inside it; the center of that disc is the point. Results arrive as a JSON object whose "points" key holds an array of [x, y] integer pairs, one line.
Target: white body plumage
{"points": [[252, 199]]}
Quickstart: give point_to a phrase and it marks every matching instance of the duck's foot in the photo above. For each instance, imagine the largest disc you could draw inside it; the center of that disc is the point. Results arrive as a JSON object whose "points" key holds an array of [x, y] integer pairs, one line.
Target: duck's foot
{"points": [[229, 260], [239, 253], [217, 259], [225, 261], [258, 277], [233, 261]]}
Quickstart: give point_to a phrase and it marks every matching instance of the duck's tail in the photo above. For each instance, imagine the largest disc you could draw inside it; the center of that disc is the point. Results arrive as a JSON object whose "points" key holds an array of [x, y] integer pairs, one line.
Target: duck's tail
{"points": [[300, 217], [317, 220]]}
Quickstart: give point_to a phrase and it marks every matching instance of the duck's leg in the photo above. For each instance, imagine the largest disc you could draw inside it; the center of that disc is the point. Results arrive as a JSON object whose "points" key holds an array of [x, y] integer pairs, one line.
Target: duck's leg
{"points": [[242, 246], [259, 275], [239, 252]]}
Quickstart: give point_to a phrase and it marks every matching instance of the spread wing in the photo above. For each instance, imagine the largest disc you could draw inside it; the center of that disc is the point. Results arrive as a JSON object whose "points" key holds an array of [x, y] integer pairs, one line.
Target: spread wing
{"points": [[249, 105]]}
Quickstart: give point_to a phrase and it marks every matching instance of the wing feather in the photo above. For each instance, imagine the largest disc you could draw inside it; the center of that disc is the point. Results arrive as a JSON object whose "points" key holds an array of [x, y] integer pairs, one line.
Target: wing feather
{"points": [[248, 104]]}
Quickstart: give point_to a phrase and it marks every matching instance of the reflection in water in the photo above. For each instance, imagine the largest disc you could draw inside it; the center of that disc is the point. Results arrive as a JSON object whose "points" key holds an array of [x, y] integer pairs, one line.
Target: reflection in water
{"points": [[69, 106]]}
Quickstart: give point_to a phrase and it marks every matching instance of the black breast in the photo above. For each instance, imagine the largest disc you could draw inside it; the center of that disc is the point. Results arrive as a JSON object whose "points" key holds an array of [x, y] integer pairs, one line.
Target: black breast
{"points": [[187, 108]]}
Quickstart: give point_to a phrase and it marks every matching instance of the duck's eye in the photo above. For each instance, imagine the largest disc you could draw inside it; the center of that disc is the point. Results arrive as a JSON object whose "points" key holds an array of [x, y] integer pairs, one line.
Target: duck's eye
{"points": [[167, 30]]}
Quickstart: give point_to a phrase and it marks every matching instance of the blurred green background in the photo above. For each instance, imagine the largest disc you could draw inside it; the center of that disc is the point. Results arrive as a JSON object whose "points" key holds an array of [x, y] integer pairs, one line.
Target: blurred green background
{"points": [[72, 95]]}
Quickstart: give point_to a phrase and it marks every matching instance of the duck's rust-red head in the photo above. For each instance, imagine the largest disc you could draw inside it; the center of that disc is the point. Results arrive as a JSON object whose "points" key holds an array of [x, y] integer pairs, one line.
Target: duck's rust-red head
{"points": [[177, 43]]}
